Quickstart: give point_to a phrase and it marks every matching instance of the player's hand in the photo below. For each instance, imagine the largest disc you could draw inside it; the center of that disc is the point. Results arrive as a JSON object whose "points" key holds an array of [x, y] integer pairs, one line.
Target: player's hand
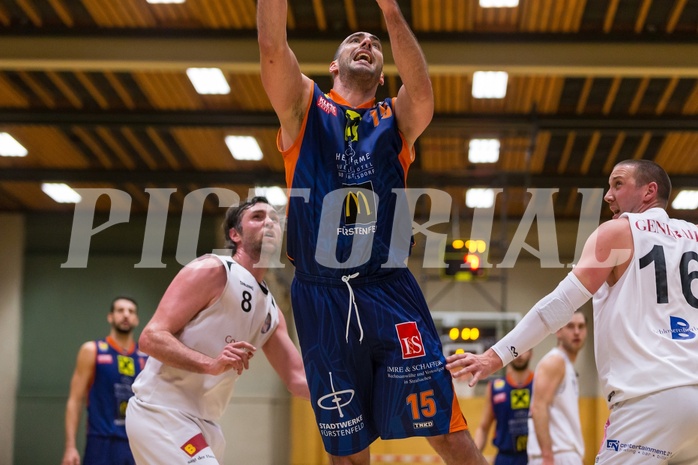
{"points": [[71, 457], [235, 355], [479, 366]]}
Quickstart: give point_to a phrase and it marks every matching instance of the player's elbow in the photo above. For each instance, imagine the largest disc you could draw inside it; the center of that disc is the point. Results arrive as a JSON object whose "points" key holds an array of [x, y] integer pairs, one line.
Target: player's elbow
{"points": [[146, 341], [270, 46]]}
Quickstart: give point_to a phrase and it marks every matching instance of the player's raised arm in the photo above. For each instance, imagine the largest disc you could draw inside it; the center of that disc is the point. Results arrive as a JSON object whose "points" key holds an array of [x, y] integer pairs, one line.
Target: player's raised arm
{"points": [[414, 107], [287, 88]]}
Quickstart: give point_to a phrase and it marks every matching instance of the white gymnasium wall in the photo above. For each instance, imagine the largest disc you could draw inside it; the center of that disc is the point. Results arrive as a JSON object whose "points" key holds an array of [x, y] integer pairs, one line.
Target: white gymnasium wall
{"points": [[256, 421]]}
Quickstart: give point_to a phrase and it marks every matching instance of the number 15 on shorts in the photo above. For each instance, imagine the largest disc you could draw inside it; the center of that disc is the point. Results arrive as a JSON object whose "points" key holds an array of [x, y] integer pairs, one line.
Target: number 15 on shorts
{"points": [[422, 404]]}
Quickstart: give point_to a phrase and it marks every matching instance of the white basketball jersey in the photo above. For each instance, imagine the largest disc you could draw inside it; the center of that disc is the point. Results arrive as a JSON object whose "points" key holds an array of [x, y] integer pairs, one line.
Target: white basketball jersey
{"points": [[645, 324], [565, 425], [246, 311]]}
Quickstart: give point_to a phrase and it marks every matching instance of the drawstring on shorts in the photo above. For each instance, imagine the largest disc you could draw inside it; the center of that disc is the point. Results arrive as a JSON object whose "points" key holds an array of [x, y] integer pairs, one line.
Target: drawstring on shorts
{"points": [[352, 304]]}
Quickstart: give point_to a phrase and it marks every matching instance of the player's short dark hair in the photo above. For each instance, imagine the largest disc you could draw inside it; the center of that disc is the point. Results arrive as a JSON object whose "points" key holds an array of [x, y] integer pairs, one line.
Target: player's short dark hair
{"points": [[233, 219], [124, 297], [579, 310], [647, 171]]}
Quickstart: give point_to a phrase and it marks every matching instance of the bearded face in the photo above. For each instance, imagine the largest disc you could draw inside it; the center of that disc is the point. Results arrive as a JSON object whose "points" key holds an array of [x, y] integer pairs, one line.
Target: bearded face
{"points": [[259, 232], [123, 327], [521, 362], [359, 60], [123, 317]]}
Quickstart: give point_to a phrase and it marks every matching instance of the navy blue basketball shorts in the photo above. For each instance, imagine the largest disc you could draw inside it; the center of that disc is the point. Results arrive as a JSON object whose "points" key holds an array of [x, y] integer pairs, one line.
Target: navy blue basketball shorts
{"points": [[518, 458], [107, 451], [373, 359]]}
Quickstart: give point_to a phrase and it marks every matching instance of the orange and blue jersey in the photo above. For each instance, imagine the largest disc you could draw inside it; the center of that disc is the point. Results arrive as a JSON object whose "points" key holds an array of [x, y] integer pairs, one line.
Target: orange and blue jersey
{"points": [[346, 173], [510, 403], [372, 355], [115, 371]]}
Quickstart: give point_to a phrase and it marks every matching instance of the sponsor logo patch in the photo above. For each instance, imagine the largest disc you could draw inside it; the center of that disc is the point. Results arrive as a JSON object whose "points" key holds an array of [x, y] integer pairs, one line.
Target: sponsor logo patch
{"points": [[520, 398], [267, 324], [642, 450], [359, 206], [410, 340], [351, 130], [104, 359], [422, 424], [127, 367], [326, 106], [336, 399], [679, 329], [195, 445]]}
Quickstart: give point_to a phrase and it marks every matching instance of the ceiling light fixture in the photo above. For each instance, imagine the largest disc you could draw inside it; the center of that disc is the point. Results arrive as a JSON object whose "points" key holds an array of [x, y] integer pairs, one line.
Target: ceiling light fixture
{"points": [[685, 200], [208, 81], [483, 150], [61, 193], [274, 194], [243, 147], [499, 3], [9, 147], [490, 84], [165, 1], [479, 198]]}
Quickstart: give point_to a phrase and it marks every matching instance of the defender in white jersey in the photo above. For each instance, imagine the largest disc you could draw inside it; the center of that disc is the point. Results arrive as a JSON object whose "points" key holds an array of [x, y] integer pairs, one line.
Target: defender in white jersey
{"points": [[207, 327], [554, 427], [642, 268]]}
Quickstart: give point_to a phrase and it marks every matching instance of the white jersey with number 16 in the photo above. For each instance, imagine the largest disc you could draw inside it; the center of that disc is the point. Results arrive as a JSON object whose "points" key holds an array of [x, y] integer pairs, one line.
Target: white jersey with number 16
{"points": [[646, 325]]}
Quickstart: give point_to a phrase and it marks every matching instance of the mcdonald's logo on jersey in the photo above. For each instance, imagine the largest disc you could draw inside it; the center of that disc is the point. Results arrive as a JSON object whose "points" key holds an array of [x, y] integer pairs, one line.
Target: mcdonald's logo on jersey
{"points": [[359, 205], [354, 199]]}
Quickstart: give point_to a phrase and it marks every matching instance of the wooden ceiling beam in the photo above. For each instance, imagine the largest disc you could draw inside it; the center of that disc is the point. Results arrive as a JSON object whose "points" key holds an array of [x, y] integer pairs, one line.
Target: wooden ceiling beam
{"points": [[453, 123], [457, 56], [418, 178]]}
